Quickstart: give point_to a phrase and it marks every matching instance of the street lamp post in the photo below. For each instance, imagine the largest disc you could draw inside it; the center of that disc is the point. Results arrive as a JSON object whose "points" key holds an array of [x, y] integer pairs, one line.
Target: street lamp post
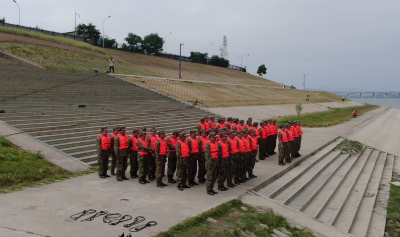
{"points": [[75, 20], [241, 57], [103, 29], [19, 13], [246, 60], [207, 51], [304, 81], [165, 42], [180, 59]]}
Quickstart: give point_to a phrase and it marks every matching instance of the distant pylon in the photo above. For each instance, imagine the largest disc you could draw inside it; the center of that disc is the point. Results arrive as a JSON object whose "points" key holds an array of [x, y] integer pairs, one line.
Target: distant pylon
{"points": [[224, 49]]}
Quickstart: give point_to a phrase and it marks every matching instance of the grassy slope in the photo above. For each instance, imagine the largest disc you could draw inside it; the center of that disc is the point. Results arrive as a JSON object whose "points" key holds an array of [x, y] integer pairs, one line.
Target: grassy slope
{"points": [[393, 210]]}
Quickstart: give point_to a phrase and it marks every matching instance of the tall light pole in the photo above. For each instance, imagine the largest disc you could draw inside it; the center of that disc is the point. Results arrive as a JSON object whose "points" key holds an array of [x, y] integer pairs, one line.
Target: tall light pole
{"points": [[19, 12], [75, 20], [165, 42], [103, 29], [246, 60], [180, 60], [304, 81], [241, 57], [207, 51]]}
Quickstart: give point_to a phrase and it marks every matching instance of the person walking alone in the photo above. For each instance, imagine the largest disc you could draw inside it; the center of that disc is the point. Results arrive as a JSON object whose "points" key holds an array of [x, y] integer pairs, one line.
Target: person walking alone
{"points": [[112, 62]]}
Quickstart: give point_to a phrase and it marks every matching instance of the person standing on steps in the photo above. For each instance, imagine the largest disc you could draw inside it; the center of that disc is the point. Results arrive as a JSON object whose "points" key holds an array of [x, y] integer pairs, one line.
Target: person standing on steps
{"points": [[171, 143], [161, 157], [151, 139], [121, 145], [182, 156], [103, 152], [113, 156], [111, 62], [143, 158], [283, 145], [223, 167], [202, 160], [133, 156], [211, 153]]}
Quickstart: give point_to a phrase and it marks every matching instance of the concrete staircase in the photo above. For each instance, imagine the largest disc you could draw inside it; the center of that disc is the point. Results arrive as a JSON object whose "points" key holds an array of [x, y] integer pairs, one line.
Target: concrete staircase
{"points": [[66, 109], [339, 190]]}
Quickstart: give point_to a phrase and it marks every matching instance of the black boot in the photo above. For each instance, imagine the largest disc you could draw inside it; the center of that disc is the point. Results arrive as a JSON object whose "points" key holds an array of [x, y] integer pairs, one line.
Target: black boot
{"points": [[185, 186], [160, 186], [163, 184], [210, 192], [113, 173], [180, 188], [214, 192], [171, 181]]}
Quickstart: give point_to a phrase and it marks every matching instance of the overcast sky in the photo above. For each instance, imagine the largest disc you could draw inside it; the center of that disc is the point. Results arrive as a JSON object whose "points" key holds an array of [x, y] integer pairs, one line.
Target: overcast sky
{"points": [[339, 45]]}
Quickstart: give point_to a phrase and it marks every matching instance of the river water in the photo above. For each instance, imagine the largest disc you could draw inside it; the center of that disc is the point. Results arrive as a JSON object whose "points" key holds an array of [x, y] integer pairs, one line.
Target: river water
{"points": [[395, 103]]}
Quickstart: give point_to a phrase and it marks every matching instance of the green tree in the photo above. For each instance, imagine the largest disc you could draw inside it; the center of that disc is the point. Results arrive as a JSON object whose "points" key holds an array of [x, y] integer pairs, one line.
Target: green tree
{"points": [[198, 57], [152, 44], [134, 43], [88, 31], [262, 70], [109, 43], [218, 61]]}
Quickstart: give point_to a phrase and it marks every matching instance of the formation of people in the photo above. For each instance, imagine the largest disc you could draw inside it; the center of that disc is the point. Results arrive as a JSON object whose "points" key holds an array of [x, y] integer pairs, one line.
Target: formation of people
{"points": [[223, 152]]}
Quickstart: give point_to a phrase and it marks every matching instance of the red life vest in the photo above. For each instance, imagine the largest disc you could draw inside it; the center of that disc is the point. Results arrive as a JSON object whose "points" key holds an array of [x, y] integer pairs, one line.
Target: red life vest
{"points": [[163, 146], [234, 146], [207, 126], [290, 135], [225, 149], [213, 149], [203, 142], [105, 142], [284, 136], [294, 131], [354, 113], [194, 145], [229, 125], [113, 135], [123, 141], [247, 147], [264, 133], [254, 143], [257, 132], [299, 130], [241, 144], [247, 127], [144, 143], [153, 140], [221, 125], [202, 126], [275, 129], [184, 149], [241, 127], [173, 142], [134, 143], [267, 130], [212, 124]]}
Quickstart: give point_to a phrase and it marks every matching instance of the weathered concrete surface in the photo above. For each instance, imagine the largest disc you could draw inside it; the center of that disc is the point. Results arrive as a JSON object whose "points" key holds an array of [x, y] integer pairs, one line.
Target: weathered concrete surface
{"points": [[31, 144], [262, 112], [46, 209]]}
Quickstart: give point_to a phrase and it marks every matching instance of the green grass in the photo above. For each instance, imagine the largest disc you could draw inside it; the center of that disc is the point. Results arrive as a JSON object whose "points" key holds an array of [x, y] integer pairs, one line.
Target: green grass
{"points": [[233, 219], [328, 118], [393, 210], [20, 168], [55, 39], [349, 146]]}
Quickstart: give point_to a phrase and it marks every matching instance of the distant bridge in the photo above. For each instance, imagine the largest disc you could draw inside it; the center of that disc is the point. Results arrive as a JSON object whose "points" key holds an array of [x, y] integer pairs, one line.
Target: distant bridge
{"points": [[366, 93]]}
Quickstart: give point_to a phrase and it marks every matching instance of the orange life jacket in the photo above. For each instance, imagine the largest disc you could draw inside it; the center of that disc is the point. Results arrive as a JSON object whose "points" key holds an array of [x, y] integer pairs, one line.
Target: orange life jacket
{"points": [[184, 149], [212, 124], [241, 127], [268, 130], [248, 127], [264, 133], [241, 144], [293, 129], [225, 149], [194, 145], [254, 143], [284, 136], [203, 142], [234, 145], [214, 149], [354, 113], [290, 135], [123, 141], [257, 132], [247, 147], [221, 125], [173, 142], [153, 140], [134, 143], [144, 143], [300, 132], [105, 142], [207, 126], [163, 146], [202, 126]]}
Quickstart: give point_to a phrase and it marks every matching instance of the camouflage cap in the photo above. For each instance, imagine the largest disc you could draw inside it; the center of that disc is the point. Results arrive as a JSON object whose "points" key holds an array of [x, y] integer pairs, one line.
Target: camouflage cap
{"points": [[212, 129], [144, 128], [252, 131], [241, 132], [175, 133], [142, 134], [154, 130], [283, 126], [212, 117], [223, 118], [274, 121], [206, 117], [203, 131], [241, 121], [202, 120], [193, 132], [182, 134], [115, 128], [121, 128], [255, 124], [251, 119], [212, 135], [103, 128], [222, 135], [229, 118], [248, 122], [135, 131], [161, 132]]}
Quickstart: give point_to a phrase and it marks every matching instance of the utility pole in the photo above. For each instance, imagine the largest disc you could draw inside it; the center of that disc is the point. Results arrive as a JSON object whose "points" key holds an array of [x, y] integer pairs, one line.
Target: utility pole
{"points": [[103, 29], [180, 59], [207, 51], [246, 60], [165, 42], [75, 20], [304, 81], [241, 57], [19, 13]]}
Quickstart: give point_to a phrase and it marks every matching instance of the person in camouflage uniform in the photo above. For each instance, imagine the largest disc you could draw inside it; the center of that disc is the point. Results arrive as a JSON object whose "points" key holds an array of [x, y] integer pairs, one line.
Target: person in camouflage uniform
{"points": [[202, 160], [133, 156], [103, 154], [172, 164], [290, 141], [151, 139], [233, 161], [182, 169], [247, 157], [161, 158], [211, 165], [223, 166], [193, 158], [121, 153], [240, 160], [235, 124], [254, 150], [283, 146], [143, 157], [262, 142], [113, 156]]}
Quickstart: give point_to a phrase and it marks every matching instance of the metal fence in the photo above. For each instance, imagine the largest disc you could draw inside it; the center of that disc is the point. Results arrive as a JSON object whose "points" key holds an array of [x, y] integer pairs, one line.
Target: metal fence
{"points": [[66, 35]]}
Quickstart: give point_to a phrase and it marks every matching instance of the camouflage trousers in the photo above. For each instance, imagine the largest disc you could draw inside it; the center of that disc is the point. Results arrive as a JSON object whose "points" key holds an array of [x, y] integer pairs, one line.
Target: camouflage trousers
{"points": [[133, 158], [269, 145], [232, 167], [212, 173], [297, 147], [202, 167], [182, 170], [281, 154], [275, 137], [171, 164], [143, 166], [286, 151], [151, 165], [160, 160], [122, 165], [246, 164], [292, 148], [223, 168], [262, 148], [113, 160], [192, 166], [252, 161], [299, 144], [103, 162], [240, 166]]}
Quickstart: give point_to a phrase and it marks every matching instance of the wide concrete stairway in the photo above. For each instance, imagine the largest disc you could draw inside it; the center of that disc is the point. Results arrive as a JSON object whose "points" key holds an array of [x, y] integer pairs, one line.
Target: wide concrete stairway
{"points": [[67, 109], [344, 191]]}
